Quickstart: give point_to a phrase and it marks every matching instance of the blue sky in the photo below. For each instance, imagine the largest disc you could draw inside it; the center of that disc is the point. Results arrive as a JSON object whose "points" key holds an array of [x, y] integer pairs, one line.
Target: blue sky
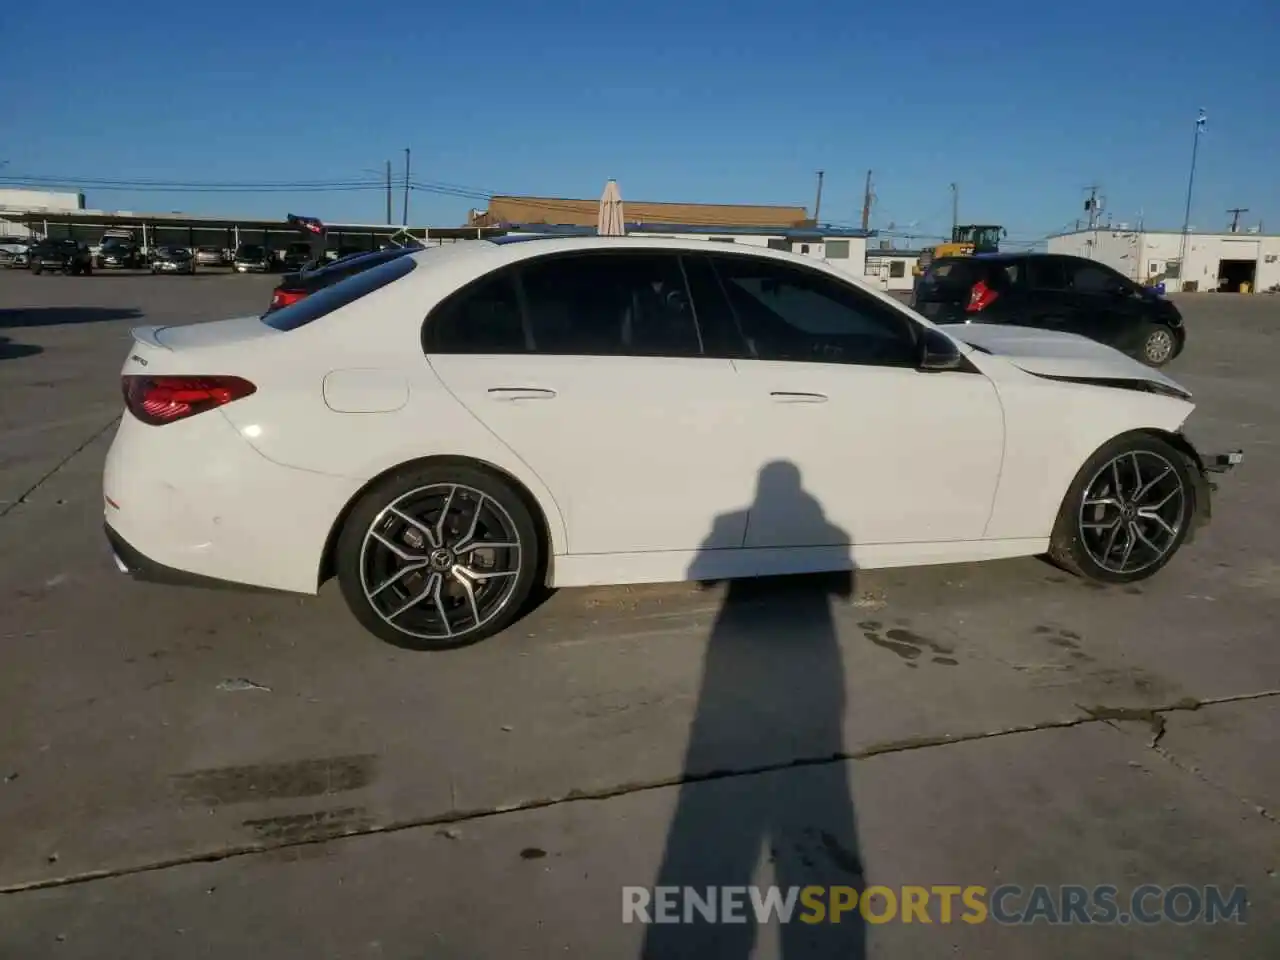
{"points": [[1022, 104]]}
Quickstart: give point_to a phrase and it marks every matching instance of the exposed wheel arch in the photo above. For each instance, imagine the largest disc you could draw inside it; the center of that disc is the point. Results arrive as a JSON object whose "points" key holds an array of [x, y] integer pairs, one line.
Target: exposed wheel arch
{"points": [[326, 571]]}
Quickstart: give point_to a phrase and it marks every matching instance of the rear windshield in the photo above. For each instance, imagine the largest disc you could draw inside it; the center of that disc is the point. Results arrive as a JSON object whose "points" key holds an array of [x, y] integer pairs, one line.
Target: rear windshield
{"points": [[341, 269], [337, 296]]}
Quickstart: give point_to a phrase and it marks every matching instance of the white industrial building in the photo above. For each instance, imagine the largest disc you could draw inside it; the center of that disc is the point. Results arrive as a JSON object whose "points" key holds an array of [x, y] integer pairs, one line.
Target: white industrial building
{"points": [[889, 269], [15, 203], [1226, 262]]}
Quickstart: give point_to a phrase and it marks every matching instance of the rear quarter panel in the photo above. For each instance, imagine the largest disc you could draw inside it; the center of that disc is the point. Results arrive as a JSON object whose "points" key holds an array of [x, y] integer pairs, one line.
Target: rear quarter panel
{"points": [[379, 336]]}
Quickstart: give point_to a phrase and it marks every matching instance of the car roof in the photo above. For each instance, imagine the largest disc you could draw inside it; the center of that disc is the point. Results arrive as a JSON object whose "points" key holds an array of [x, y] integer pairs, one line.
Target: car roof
{"points": [[478, 256], [512, 248]]}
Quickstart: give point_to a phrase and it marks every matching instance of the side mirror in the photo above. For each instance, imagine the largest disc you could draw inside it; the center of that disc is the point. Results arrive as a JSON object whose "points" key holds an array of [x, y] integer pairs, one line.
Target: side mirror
{"points": [[938, 353]]}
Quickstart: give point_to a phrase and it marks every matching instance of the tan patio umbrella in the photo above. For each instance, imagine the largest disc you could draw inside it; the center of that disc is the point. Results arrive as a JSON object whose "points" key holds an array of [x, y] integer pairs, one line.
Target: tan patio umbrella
{"points": [[610, 222]]}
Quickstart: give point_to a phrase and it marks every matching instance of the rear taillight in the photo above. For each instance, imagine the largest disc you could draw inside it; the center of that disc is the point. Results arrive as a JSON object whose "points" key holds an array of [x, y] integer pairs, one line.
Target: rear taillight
{"points": [[160, 400], [980, 297], [283, 298]]}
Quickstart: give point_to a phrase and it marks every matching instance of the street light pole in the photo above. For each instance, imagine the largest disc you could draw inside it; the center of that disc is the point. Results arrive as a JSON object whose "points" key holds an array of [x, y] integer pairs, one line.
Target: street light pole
{"points": [[1191, 181]]}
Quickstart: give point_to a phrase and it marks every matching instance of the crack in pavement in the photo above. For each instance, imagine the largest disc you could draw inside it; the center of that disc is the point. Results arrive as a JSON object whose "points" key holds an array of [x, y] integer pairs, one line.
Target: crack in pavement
{"points": [[1155, 717], [1106, 715], [22, 499]]}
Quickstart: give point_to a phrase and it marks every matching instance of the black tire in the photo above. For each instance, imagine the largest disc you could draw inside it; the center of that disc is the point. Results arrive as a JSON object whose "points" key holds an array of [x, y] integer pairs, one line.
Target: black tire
{"points": [[412, 631], [37, 269], [88, 270], [1159, 345], [1076, 549]]}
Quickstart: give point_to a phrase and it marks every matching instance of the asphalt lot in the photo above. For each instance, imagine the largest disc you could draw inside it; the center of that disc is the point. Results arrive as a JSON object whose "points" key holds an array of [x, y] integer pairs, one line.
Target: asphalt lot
{"points": [[192, 772]]}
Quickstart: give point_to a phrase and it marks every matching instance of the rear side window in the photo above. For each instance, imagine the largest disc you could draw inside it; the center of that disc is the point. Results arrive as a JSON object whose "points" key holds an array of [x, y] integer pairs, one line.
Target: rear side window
{"points": [[482, 318], [634, 305], [610, 305], [1047, 273], [336, 297], [949, 272]]}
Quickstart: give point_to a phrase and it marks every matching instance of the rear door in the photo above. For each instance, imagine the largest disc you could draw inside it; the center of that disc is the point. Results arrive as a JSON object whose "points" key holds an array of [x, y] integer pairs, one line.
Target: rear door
{"points": [[1051, 302], [592, 369]]}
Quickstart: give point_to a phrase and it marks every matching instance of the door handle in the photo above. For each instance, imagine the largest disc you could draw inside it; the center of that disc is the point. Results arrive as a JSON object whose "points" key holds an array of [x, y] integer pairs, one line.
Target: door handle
{"points": [[792, 396], [521, 393]]}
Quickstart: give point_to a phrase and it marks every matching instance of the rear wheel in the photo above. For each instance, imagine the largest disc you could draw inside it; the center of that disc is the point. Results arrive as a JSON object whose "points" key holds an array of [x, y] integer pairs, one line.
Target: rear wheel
{"points": [[1126, 513], [438, 557]]}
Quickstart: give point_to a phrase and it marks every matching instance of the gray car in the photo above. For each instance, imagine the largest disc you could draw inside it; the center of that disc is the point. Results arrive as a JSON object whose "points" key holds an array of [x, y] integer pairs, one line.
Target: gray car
{"points": [[210, 257], [170, 259]]}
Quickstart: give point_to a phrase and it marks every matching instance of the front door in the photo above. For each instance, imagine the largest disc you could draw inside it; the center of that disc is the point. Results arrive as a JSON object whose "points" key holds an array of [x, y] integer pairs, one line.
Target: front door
{"points": [[590, 368], [889, 454]]}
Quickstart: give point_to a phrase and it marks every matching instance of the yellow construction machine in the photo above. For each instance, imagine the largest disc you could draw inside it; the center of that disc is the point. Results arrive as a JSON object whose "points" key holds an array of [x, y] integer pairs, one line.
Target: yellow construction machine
{"points": [[966, 240]]}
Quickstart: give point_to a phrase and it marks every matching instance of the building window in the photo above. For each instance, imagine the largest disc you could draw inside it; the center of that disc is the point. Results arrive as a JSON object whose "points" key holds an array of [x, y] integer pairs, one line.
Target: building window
{"points": [[1173, 269], [775, 244], [837, 249], [898, 268], [804, 248], [871, 268]]}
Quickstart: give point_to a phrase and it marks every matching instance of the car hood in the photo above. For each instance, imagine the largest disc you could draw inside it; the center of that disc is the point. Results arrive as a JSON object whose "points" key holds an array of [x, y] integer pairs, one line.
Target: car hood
{"points": [[1062, 356]]}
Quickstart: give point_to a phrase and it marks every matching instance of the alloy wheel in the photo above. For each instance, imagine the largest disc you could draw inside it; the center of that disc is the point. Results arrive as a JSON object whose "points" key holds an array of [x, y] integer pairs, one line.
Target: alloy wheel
{"points": [[440, 561], [1159, 346], [1133, 512]]}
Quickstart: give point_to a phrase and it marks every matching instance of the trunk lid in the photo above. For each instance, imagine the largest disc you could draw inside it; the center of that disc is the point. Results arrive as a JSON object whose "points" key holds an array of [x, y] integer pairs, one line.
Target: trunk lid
{"points": [[212, 333]]}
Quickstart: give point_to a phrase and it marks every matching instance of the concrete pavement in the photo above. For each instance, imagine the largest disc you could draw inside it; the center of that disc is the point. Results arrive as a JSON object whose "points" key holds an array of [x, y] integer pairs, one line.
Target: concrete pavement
{"points": [[947, 725]]}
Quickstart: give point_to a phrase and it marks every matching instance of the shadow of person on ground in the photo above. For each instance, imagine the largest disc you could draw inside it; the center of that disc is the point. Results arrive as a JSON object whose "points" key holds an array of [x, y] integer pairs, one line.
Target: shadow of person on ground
{"points": [[15, 351], [55, 316], [772, 701]]}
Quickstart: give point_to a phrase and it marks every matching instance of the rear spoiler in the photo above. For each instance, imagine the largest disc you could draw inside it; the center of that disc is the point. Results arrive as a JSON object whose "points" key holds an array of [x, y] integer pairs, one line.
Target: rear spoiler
{"points": [[148, 336]]}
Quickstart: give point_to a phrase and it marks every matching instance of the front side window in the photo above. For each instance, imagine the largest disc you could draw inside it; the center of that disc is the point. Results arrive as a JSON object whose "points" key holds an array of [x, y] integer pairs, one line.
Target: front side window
{"points": [[789, 313], [1090, 278]]}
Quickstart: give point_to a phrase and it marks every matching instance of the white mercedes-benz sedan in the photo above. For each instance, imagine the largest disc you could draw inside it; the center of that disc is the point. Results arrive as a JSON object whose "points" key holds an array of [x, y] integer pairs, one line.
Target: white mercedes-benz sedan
{"points": [[451, 429]]}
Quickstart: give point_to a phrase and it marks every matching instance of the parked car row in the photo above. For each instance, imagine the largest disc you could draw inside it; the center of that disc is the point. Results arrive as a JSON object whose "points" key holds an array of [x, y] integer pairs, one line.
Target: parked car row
{"points": [[120, 250]]}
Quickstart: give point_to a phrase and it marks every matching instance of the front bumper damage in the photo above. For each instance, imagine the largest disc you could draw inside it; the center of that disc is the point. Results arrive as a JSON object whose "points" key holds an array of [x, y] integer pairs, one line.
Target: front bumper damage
{"points": [[1205, 466]]}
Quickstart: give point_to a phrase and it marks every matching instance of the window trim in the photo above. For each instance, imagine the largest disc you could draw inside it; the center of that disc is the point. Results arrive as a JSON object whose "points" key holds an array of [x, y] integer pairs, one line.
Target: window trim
{"points": [[914, 331]]}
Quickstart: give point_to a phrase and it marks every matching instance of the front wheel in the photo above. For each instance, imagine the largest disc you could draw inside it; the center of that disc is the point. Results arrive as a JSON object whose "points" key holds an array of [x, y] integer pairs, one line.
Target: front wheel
{"points": [[1158, 346], [438, 557], [1126, 513]]}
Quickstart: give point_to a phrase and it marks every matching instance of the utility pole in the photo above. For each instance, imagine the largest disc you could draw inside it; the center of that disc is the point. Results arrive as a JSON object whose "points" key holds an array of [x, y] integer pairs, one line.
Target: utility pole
{"points": [[955, 208], [1186, 218], [388, 193], [1235, 217], [866, 205], [817, 204], [405, 221]]}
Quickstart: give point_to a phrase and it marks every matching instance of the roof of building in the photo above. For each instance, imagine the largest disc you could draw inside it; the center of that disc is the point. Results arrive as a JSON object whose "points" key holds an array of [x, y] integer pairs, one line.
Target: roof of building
{"points": [[129, 218], [814, 233], [563, 211], [1118, 228], [891, 252]]}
